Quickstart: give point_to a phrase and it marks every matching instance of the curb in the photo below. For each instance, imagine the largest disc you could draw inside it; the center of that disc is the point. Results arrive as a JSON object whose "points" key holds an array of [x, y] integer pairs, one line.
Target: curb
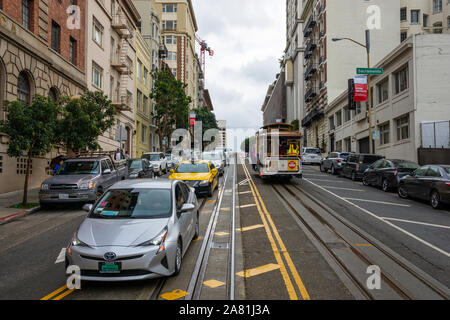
{"points": [[18, 215]]}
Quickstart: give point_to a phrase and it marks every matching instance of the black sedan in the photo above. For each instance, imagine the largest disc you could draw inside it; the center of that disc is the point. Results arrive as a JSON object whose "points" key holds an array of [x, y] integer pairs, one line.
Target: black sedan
{"points": [[387, 173], [140, 169], [431, 183]]}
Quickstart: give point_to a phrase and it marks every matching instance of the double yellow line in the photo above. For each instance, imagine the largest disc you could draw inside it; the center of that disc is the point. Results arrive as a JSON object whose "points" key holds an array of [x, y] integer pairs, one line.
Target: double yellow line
{"points": [[59, 293], [272, 232]]}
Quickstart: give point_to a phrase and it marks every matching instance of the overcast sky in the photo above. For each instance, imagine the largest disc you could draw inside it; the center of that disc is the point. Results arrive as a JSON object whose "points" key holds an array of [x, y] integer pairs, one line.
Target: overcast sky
{"points": [[248, 38]]}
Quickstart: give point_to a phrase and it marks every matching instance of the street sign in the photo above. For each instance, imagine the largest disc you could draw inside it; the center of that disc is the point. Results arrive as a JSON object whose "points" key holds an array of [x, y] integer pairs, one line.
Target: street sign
{"points": [[192, 118], [369, 71], [376, 134]]}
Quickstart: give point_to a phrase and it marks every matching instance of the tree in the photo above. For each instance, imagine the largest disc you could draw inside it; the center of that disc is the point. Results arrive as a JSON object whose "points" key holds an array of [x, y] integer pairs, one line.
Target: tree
{"points": [[171, 104], [207, 118], [31, 130], [295, 125], [245, 145], [83, 120]]}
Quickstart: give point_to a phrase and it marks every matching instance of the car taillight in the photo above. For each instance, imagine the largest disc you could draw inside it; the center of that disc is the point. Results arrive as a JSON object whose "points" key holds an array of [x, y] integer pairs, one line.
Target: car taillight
{"points": [[357, 167], [447, 184], [338, 160], [395, 172]]}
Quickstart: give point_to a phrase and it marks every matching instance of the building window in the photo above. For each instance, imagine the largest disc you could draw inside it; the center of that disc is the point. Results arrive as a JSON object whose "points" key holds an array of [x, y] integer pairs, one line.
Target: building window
{"points": [[415, 16], [144, 134], [53, 94], [1, 164], [384, 133], [170, 40], [339, 118], [97, 35], [139, 69], [437, 6], [403, 36], [56, 34], [401, 80], [425, 20], [169, 24], [169, 8], [347, 114], [23, 88], [171, 55], [145, 76], [73, 50], [174, 71], [437, 27], [348, 144], [26, 13], [331, 122], [403, 128], [138, 100], [145, 105], [403, 14], [97, 75], [383, 91]]}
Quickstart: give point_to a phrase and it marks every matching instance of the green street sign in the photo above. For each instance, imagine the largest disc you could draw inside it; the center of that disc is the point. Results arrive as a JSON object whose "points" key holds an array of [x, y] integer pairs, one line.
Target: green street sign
{"points": [[369, 71]]}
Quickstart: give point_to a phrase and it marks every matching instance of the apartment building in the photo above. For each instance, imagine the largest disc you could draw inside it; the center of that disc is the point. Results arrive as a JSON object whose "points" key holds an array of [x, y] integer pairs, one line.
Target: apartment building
{"points": [[293, 62], [179, 26], [274, 108], [110, 62], [328, 65], [42, 51], [150, 29], [424, 16], [222, 124], [411, 94]]}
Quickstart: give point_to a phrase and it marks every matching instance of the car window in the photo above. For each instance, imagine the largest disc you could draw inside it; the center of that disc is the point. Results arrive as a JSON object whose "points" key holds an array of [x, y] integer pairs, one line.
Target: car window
{"points": [[192, 168], [368, 159], [110, 164], [135, 164], [378, 164], [105, 165], [421, 172], [312, 151], [433, 172], [134, 204], [186, 191], [406, 165], [79, 167], [179, 198], [447, 170]]}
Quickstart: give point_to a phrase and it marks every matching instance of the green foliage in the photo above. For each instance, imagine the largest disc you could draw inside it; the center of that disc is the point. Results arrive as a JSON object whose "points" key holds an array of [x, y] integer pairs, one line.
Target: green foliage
{"points": [[207, 118], [83, 120], [295, 125], [171, 103], [245, 145]]}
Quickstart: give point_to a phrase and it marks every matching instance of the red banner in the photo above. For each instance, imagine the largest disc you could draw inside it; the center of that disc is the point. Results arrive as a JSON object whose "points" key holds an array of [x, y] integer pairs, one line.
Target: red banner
{"points": [[360, 88]]}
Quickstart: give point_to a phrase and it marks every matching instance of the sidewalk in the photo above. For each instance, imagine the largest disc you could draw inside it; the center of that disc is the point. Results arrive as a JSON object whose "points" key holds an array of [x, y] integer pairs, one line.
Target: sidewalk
{"points": [[8, 214]]}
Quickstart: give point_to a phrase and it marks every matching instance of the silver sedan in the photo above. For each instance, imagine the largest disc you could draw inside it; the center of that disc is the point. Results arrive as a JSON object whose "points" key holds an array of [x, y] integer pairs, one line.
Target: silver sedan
{"points": [[137, 230]]}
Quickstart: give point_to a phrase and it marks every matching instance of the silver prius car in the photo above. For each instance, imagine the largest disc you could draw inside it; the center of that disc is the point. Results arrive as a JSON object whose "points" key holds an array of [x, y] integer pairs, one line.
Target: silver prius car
{"points": [[137, 230]]}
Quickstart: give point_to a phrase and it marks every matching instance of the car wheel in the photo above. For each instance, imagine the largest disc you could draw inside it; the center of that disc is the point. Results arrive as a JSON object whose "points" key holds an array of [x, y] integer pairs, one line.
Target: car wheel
{"points": [[385, 185], [197, 229], [365, 182], [435, 199], [402, 193], [178, 257]]}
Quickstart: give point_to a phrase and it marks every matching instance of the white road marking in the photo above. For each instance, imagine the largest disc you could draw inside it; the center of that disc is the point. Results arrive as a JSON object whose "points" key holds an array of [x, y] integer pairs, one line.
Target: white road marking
{"points": [[387, 222], [244, 182], [326, 180], [316, 175], [417, 222], [248, 205], [244, 192], [348, 189], [61, 256], [381, 202]]}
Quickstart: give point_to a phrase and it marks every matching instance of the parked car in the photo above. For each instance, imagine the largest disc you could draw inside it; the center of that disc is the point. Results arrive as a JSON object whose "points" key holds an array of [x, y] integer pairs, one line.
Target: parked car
{"points": [[140, 229], [224, 152], [387, 173], [158, 161], [140, 169], [334, 162], [356, 164], [171, 161], [311, 156], [217, 158], [82, 179], [430, 183]]}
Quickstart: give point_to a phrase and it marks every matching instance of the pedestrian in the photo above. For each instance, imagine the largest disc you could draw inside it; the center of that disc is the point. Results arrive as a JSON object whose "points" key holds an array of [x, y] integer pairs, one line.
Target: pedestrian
{"points": [[118, 155], [127, 156], [58, 167]]}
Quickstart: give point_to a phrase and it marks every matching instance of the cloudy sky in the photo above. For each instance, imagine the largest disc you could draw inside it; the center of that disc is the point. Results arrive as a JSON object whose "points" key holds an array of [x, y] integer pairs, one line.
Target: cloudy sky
{"points": [[248, 39]]}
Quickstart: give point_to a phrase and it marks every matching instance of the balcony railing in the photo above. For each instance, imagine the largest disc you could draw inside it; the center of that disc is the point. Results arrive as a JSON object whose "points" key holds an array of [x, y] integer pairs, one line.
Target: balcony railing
{"points": [[310, 95], [312, 116], [310, 71]]}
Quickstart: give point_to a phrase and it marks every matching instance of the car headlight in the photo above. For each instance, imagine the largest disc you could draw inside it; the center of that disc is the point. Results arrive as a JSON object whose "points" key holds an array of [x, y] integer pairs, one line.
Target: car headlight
{"points": [[87, 185], [204, 181], [75, 242], [44, 186], [157, 241]]}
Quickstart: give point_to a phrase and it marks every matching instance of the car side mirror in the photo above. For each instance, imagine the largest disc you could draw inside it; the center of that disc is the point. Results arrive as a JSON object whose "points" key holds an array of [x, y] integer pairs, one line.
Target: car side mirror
{"points": [[87, 207], [187, 207], [107, 171]]}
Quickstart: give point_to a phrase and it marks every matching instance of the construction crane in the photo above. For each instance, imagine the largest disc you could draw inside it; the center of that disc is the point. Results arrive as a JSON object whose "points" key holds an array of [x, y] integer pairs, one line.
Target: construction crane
{"points": [[203, 48]]}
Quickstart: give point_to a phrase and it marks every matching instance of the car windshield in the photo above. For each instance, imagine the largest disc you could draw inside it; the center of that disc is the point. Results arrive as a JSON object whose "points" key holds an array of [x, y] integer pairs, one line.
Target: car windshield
{"points": [[192, 168], [169, 156], [369, 159], [134, 204], [406, 165], [312, 151], [447, 169], [135, 164], [79, 167], [210, 156], [151, 157]]}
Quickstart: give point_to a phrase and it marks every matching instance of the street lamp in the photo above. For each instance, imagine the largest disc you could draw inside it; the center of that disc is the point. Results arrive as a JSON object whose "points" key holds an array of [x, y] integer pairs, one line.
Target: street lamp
{"points": [[369, 98]]}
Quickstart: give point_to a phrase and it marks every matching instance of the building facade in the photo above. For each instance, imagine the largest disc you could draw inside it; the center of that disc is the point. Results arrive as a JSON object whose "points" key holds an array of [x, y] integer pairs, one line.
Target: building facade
{"points": [[424, 16], [411, 93], [328, 65], [222, 124], [274, 108], [42, 51], [179, 26]]}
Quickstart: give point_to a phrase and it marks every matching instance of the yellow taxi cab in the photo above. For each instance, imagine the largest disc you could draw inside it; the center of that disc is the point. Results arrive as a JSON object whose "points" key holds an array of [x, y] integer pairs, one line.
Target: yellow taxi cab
{"points": [[200, 175]]}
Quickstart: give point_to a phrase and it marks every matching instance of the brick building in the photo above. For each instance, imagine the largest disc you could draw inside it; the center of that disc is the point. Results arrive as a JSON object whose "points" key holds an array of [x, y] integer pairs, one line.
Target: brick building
{"points": [[42, 46]]}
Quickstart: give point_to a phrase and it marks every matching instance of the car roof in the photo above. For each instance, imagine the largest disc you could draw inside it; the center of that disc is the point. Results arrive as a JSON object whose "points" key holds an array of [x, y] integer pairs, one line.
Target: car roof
{"points": [[144, 183], [86, 159], [195, 162]]}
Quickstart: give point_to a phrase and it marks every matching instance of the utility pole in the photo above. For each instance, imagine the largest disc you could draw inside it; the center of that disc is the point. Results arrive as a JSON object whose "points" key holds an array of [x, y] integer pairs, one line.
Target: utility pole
{"points": [[369, 94]]}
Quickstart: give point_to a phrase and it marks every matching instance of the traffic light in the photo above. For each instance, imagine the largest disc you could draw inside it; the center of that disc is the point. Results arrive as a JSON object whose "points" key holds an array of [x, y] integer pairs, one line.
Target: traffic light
{"points": [[351, 94]]}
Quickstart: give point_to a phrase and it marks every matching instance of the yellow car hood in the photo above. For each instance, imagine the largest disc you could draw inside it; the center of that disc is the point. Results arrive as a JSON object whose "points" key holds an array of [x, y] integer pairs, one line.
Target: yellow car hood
{"points": [[190, 176]]}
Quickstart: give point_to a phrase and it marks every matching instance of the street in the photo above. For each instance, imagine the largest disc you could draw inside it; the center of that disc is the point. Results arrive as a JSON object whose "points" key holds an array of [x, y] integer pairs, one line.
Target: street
{"points": [[311, 238]]}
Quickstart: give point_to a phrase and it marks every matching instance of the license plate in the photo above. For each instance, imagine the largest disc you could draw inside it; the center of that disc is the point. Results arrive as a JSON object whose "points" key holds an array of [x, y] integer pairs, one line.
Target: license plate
{"points": [[64, 196], [109, 267]]}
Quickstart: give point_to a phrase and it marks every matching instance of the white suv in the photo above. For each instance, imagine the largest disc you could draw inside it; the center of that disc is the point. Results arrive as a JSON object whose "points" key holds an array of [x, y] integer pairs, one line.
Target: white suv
{"points": [[158, 161], [311, 156]]}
